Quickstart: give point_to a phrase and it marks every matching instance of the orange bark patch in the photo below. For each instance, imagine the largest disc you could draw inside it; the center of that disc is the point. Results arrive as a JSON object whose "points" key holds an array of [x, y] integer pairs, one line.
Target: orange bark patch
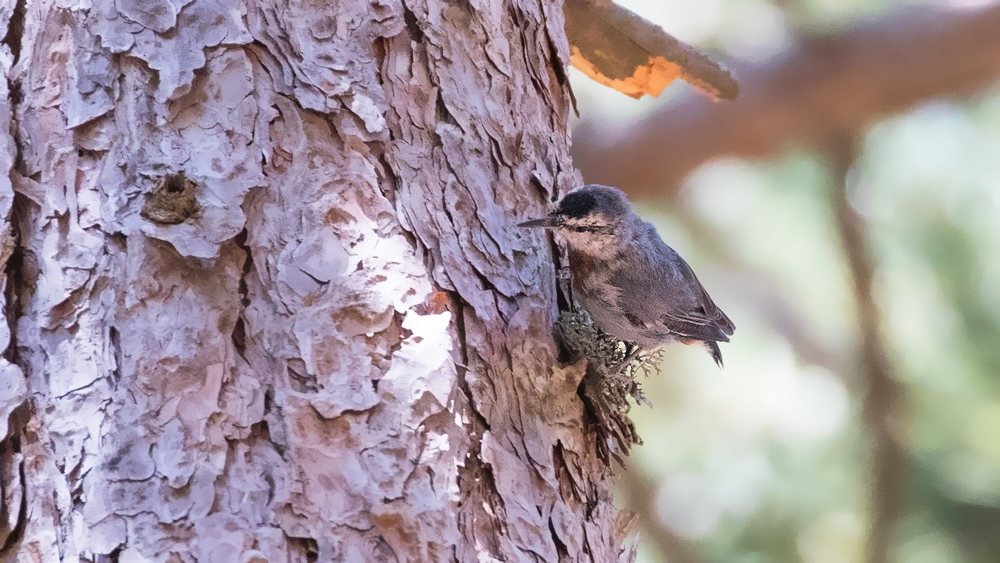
{"points": [[650, 78]]}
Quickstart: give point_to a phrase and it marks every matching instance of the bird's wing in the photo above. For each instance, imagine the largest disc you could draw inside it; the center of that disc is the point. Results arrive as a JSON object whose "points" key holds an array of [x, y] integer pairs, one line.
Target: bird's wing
{"points": [[660, 292], [695, 314], [699, 325], [687, 310], [704, 312]]}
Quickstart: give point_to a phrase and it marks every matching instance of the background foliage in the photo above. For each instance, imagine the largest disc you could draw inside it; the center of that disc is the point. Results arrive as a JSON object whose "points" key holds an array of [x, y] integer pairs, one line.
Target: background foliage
{"points": [[769, 460]]}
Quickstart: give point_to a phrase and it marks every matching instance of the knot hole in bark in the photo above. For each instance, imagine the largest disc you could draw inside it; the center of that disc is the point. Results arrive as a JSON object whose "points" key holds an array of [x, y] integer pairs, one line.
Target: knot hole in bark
{"points": [[172, 200]]}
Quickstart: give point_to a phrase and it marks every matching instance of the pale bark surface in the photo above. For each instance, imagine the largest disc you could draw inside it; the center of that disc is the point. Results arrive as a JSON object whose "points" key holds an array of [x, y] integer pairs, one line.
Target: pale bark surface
{"points": [[336, 346]]}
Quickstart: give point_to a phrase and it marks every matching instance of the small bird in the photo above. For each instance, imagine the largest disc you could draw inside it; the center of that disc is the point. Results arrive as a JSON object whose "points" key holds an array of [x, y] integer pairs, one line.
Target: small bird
{"points": [[635, 287]]}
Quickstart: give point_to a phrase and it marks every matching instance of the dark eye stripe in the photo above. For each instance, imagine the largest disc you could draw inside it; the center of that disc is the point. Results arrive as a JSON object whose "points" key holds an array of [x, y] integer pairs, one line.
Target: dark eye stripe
{"points": [[591, 229]]}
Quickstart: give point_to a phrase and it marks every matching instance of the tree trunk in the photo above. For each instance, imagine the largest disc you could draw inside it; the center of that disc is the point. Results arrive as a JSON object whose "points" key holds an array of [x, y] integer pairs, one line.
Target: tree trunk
{"points": [[265, 296]]}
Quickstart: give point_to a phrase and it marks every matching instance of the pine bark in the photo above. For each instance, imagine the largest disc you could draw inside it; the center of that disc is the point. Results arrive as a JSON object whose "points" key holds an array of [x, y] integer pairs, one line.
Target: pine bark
{"points": [[265, 297]]}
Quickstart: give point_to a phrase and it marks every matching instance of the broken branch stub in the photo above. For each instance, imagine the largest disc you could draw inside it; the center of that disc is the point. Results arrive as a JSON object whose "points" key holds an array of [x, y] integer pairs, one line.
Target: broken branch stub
{"points": [[619, 49]]}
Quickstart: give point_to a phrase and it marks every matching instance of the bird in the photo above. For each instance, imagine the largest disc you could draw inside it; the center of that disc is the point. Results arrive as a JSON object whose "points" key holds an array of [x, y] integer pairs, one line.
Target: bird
{"points": [[634, 286]]}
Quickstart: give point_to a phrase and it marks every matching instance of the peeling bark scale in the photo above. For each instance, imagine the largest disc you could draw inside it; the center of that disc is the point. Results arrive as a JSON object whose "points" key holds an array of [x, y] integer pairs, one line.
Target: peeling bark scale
{"points": [[264, 297]]}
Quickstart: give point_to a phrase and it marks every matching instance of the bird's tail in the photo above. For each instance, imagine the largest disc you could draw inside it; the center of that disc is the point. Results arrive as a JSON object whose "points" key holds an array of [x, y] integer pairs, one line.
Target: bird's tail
{"points": [[713, 349], [711, 346]]}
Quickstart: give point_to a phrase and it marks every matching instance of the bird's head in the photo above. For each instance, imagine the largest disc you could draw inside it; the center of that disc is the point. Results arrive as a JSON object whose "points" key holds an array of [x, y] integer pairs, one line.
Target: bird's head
{"points": [[588, 216]]}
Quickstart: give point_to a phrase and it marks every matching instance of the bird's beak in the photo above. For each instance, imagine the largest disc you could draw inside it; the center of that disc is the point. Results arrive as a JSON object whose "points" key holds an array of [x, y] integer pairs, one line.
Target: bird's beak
{"points": [[545, 223]]}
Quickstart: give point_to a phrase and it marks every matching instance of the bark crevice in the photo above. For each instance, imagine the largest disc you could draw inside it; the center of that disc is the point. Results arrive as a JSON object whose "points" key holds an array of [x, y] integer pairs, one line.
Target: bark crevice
{"points": [[239, 334], [15, 30], [11, 459], [15, 285]]}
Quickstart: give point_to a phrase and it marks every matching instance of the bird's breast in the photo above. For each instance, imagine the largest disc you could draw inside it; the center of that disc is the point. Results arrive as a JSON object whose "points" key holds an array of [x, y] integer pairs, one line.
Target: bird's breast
{"points": [[591, 279], [581, 263], [585, 270]]}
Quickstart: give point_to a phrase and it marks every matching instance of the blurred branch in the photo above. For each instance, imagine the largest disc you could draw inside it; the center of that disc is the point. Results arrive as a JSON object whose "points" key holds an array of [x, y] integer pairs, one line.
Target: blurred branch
{"points": [[828, 84], [883, 398], [769, 305], [641, 496], [759, 292], [619, 49]]}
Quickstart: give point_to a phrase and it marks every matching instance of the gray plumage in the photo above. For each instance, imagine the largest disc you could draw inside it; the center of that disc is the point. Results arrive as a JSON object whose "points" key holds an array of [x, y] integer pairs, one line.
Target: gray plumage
{"points": [[635, 287]]}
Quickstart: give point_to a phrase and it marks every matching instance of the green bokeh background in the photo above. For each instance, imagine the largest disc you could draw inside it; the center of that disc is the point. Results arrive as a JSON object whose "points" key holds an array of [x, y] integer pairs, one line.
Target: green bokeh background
{"points": [[767, 460]]}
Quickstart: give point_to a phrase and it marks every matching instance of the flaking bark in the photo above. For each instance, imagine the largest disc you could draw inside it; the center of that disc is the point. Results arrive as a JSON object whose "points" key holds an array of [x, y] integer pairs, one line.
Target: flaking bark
{"points": [[344, 351]]}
